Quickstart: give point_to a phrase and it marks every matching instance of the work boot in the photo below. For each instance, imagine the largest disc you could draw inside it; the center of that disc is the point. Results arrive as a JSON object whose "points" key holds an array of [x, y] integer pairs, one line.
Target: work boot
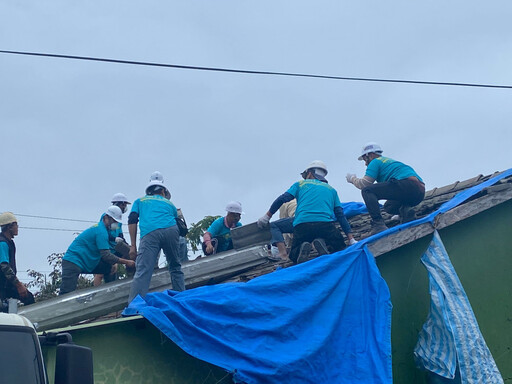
{"points": [[407, 214], [305, 250], [377, 226], [320, 247]]}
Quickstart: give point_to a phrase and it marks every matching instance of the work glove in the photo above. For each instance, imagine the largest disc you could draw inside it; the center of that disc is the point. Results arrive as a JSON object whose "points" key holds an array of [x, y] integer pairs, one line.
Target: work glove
{"points": [[263, 221], [352, 241], [119, 240], [351, 177]]}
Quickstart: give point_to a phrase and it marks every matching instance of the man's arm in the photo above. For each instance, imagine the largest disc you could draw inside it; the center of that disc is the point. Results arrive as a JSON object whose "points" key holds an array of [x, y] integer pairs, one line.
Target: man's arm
{"points": [[284, 198], [110, 258], [10, 276], [133, 219], [365, 181], [345, 226]]}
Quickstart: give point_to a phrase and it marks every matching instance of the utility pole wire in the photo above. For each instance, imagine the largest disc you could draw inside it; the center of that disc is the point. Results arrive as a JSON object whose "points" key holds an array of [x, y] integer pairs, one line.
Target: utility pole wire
{"points": [[251, 72]]}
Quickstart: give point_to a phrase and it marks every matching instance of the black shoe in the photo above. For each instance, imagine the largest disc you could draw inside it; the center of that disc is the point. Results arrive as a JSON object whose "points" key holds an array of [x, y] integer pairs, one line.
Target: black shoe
{"points": [[320, 247], [305, 250], [377, 226], [406, 214]]}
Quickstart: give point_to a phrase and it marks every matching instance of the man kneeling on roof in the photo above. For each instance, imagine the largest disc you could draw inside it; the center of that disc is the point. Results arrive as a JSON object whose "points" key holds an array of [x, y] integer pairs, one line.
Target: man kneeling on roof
{"points": [[90, 251], [317, 205], [217, 237], [395, 181]]}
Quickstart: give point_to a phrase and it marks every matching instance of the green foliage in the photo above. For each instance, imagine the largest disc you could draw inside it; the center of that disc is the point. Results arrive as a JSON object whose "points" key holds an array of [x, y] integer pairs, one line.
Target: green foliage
{"points": [[46, 286], [197, 230]]}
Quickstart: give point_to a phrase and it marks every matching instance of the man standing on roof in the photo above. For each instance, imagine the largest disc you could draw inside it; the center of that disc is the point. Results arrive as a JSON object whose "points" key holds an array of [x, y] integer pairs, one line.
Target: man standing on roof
{"points": [[317, 206], [217, 237], [118, 245], [10, 286], [156, 216], [396, 182], [90, 251]]}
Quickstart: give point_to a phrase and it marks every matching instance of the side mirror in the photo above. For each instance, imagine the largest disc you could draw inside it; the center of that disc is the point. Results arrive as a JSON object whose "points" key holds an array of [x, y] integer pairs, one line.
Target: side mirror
{"points": [[73, 364]]}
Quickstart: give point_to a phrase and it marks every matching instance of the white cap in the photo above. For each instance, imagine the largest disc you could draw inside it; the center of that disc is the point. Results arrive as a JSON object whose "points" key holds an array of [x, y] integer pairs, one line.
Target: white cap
{"points": [[235, 207], [370, 147], [7, 218], [156, 176], [120, 198], [114, 212]]}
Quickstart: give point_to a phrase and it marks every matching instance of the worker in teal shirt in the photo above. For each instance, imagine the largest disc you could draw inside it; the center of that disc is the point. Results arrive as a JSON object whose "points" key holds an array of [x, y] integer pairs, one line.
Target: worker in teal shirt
{"points": [[90, 251], [318, 205], [156, 217], [388, 179], [218, 236]]}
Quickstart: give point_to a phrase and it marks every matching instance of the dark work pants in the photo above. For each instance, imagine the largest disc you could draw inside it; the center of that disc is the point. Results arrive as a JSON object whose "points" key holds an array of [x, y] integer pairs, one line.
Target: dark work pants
{"points": [[311, 231], [71, 271], [397, 193]]}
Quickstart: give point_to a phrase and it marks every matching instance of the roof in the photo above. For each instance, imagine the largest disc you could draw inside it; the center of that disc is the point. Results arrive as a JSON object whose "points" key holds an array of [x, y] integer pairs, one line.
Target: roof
{"points": [[433, 200]]}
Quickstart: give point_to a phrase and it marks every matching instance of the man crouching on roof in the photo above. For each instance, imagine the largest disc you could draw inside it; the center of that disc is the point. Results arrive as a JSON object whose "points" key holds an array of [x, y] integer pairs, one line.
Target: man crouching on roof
{"points": [[217, 237], [156, 216], [317, 204], [90, 251], [388, 179]]}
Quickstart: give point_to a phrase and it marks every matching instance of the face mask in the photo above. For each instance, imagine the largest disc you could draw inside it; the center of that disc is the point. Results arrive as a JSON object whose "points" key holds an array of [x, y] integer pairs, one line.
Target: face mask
{"points": [[114, 226]]}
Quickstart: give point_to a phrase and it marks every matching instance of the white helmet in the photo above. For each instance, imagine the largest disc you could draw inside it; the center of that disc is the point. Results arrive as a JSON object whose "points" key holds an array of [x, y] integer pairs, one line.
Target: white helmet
{"points": [[114, 212], [317, 164], [120, 198], [157, 183], [156, 176], [7, 218], [235, 207], [370, 147]]}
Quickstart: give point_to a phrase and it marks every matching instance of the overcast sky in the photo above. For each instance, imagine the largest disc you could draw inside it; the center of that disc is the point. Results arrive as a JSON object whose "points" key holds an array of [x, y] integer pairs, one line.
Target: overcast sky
{"points": [[73, 133]]}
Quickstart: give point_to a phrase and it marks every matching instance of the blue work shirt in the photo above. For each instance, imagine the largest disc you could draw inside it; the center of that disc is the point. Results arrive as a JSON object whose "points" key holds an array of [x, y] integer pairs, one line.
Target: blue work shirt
{"points": [[384, 169], [4, 252], [84, 251], [219, 230], [155, 212], [315, 201]]}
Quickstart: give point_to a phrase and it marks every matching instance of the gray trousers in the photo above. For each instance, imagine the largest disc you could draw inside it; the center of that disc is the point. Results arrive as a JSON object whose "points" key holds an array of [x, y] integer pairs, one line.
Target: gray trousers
{"points": [[150, 245]]}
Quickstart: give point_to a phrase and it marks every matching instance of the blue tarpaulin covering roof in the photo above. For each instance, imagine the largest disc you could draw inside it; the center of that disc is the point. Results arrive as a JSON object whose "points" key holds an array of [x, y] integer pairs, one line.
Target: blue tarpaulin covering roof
{"points": [[327, 320]]}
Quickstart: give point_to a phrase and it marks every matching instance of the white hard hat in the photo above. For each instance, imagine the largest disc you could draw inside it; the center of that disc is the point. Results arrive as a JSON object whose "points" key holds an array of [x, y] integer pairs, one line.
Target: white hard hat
{"points": [[7, 218], [155, 182], [370, 147], [114, 212], [235, 207], [318, 164], [120, 198], [156, 176]]}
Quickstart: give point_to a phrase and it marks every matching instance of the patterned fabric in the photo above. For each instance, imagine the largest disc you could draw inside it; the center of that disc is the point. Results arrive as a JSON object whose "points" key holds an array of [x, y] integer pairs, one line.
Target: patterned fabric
{"points": [[450, 337]]}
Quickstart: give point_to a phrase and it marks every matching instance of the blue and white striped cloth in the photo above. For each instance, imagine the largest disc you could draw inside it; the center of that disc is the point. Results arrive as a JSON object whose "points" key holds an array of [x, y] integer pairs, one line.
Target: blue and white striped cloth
{"points": [[450, 337]]}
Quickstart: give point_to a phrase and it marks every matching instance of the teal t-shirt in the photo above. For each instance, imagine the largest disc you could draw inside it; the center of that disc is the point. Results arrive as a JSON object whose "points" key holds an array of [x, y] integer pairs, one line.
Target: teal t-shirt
{"points": [[4, 252], [155, 212], [84, 251], [384, 169], [220, 231], [315, 201]]}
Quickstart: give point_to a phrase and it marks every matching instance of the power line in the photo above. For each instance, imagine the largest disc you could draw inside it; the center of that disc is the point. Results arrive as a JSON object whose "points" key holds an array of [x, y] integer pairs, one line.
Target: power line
{"points": [[253, 72], [54, 229], [55, 218]]}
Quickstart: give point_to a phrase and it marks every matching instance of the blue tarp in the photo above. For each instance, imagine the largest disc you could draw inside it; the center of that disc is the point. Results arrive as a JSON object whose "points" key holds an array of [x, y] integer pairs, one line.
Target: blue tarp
{"points": [[451, 338], [325, 321]]}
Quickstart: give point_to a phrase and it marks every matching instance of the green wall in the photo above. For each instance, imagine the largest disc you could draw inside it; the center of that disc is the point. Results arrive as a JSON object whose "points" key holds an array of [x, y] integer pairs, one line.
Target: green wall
{"points": [[481, 252]]}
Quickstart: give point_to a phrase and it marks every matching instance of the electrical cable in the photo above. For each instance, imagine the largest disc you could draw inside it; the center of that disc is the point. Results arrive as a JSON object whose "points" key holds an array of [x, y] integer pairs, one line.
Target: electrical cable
{"points": [[54, 218], [253, 72]]}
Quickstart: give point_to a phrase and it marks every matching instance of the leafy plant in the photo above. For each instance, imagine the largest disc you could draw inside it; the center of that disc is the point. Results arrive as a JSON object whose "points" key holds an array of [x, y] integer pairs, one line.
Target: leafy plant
{"points": [[197, 230]]}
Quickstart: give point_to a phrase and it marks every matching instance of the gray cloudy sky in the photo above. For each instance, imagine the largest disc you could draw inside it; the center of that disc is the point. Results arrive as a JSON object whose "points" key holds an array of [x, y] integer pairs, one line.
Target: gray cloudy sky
{"points": [[73, 133]]}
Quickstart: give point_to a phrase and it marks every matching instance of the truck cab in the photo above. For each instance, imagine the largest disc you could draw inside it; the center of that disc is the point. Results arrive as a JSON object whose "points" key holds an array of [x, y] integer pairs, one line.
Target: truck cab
{"points": [[21, 359]]}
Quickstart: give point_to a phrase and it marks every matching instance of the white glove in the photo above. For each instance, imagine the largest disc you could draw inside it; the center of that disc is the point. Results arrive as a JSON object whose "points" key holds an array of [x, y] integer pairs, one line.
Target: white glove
{"points": [[351, 177], [263, 221], [119, 240], [352, 241]]}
